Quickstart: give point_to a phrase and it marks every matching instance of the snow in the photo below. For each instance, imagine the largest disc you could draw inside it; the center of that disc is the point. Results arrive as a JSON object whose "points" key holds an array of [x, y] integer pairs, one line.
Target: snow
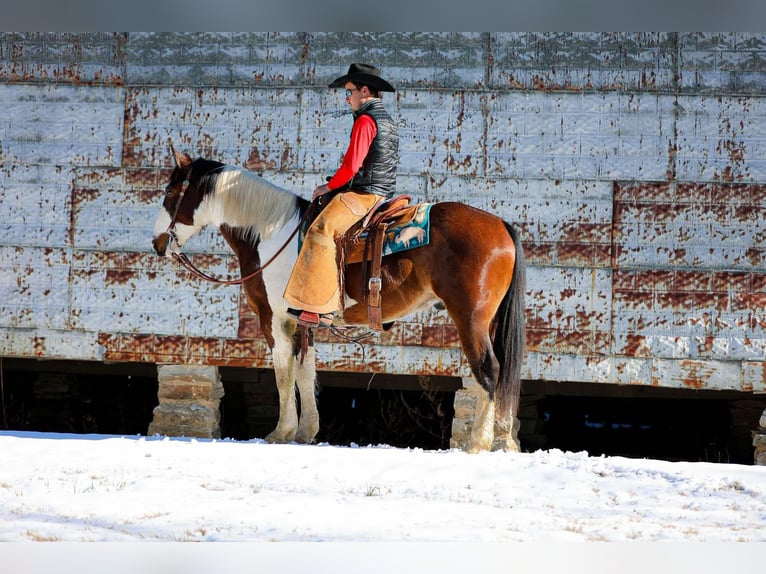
{"points": [[83, 488]]}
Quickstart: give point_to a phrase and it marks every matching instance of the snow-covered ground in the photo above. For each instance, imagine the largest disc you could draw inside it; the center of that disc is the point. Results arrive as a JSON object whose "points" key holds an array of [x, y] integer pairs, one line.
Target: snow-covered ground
{"points": [[77, 488]]}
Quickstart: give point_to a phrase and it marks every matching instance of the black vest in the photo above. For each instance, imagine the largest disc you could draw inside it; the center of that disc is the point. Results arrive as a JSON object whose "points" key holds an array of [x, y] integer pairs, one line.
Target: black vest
{"points": [[378, 171]]}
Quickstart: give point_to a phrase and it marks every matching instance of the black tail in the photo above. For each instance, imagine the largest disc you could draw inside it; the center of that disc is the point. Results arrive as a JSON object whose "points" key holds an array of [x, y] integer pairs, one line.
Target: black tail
{"points": [[509, 340]]}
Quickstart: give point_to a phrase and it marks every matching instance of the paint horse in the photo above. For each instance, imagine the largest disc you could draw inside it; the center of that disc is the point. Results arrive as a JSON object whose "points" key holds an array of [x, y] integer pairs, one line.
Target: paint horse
{"points": [[473, 266]]}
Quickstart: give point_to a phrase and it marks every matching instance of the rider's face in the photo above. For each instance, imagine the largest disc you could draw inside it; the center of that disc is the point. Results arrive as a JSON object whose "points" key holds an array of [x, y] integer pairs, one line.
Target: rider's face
{"points": [[355, 96]]}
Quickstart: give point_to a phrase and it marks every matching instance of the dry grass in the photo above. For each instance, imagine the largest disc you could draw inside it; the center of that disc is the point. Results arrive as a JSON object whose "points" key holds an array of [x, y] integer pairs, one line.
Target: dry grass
{"points": [[37, 537]]}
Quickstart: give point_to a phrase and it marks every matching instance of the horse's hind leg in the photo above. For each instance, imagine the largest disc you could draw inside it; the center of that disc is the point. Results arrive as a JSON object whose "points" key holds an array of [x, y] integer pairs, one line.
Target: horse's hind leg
{"points": [[506, 432], [485, 368], [491, 430], [483, 431]]}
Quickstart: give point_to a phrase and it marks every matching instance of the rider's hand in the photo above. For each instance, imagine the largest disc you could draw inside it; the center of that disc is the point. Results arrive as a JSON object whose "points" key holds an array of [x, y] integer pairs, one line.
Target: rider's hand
{"points": [[320, 190]]}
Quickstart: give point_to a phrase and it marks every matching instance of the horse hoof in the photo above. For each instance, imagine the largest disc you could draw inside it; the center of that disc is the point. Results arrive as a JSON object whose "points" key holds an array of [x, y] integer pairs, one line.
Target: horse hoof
{"points": [[278, 438], [476, 448]]}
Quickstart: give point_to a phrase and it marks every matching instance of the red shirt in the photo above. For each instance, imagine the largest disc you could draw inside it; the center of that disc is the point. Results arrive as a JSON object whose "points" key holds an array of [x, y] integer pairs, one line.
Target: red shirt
{"points": [[362, 134]]}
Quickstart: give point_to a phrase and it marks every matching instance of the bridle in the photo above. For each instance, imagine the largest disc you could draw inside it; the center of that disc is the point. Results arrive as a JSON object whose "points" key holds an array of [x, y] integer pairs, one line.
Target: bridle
{"points": [[186, 263], [171, 230]]}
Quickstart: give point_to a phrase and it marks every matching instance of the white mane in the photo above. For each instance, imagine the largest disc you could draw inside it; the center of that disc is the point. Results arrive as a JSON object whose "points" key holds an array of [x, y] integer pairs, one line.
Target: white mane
{"points": [[243, 199]]}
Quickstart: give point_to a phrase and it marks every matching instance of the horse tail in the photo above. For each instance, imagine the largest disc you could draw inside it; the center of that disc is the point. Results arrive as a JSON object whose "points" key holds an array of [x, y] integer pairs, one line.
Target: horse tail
{"points": [[509, 339]]}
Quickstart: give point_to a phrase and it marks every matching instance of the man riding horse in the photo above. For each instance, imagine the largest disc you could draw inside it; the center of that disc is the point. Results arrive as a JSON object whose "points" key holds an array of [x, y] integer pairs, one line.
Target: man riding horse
{"points": [[366, 174]]}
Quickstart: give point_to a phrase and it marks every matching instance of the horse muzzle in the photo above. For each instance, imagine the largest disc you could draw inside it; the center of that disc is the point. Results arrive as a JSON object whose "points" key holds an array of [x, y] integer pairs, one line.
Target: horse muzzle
{"points": [[161, 243]]}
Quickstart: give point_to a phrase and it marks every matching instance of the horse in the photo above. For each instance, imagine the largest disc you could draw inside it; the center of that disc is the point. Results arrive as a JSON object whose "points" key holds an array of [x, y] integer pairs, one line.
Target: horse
{"points": [[473, 266]]}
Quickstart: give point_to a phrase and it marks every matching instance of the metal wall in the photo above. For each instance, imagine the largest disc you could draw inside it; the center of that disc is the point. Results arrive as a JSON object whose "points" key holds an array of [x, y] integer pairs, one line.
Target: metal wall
{"points": [[634, 165]]}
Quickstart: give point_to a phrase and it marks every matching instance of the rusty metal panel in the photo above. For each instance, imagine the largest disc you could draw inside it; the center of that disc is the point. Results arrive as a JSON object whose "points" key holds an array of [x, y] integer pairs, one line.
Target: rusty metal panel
{"points": [[81, 58], [633, 165], [688, 280], [697, 374], [118, 287], [568, 311], [720, 138], [441, 133], [592, 61], [710, 60], [264, 59], [246, 126], [435, 60], [60, 125]]}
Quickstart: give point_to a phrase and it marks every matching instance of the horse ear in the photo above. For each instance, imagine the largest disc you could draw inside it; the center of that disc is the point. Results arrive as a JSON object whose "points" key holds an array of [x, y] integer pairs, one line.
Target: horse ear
{"points": [[182, 159]]}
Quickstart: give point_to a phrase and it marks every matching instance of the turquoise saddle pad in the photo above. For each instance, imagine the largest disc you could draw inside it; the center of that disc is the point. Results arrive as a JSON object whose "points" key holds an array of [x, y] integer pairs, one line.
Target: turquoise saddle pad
{"points": [[414, 234]]}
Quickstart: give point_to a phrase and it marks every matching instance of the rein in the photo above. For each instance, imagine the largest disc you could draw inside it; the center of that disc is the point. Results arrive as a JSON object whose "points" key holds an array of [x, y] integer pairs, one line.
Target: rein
{"points": [[186, 263]]}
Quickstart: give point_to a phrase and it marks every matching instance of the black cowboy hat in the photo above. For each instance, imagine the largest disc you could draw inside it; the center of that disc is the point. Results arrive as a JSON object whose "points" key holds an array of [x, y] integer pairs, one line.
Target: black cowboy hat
{"points": [[363, 74]]}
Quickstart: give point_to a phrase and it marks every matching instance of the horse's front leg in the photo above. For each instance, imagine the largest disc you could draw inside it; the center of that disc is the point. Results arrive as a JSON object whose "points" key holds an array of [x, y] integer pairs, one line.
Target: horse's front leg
{"points": [[284, 373], [308, 427]]}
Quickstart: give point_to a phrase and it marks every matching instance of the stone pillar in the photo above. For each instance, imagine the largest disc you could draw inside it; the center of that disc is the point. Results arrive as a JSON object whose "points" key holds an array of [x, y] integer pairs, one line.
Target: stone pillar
{"points": [[465, 411], [466, 399], [759, 441], [189, 399]]}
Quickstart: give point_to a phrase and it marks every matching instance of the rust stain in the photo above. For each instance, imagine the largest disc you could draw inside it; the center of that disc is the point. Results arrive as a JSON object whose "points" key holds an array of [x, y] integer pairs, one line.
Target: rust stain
{"points": [[39, 346], [146, 177], [579, 254], [697, 375], [249, 328], [256, 163], [285, 163], [119, 276], [81, 196]]}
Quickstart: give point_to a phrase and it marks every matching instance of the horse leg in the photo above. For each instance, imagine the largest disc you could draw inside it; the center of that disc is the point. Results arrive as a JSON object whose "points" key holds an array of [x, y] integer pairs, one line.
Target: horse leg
{"points": [[483, 431], [492, 429], [506, 432], [308, 427], [485, 368], [284, 373]]}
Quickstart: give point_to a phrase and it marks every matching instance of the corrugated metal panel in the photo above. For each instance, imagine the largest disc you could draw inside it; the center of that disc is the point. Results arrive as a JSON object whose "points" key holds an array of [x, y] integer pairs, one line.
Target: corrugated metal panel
{"points": [[633, 164]]}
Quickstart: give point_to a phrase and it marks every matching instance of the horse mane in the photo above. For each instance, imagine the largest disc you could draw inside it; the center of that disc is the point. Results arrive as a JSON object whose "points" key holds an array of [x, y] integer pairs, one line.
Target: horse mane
{"points": [[242, 199]]}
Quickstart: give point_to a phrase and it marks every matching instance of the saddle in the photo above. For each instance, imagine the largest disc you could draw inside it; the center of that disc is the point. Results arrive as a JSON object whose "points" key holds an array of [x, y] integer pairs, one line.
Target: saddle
{"points": [[363, 243]]}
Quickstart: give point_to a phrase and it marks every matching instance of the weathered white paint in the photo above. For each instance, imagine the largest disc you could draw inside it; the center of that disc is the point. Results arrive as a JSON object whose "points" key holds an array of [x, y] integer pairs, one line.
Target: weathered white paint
{"points": [[538, 134]]}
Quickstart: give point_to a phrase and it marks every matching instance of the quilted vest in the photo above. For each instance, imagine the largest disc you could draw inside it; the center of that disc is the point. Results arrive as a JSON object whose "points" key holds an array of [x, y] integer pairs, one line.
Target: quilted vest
{"points": [[378, 171]]}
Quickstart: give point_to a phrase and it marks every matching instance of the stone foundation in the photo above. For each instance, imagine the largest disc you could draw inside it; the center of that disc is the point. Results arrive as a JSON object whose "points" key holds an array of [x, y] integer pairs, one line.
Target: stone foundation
{"points": [[759, 441], [190, 397], [465, 409]]}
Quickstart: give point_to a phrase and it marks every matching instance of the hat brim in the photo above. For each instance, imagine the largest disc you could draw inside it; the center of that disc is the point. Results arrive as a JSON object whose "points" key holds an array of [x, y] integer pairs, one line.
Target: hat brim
{"points": [[367, 79]]}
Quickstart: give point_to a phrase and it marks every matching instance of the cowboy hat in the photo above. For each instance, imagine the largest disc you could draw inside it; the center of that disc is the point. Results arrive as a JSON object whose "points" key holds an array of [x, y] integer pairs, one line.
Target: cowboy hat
{"points": [[363, 74]]}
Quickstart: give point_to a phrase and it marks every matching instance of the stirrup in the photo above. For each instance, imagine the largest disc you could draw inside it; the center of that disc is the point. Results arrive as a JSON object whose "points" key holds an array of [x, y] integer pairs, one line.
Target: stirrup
{"points": [[310, 319]]}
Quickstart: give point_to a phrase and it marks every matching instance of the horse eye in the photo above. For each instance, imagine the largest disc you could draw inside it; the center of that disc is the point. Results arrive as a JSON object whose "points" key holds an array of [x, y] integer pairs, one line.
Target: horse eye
{"points": [[169, 190]]}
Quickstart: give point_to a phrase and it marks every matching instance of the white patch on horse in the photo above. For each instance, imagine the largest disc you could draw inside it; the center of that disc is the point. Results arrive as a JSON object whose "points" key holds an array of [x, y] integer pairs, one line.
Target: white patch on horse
{"points": [[243, 199], [182, 232], [276, 275], [161, 223]]}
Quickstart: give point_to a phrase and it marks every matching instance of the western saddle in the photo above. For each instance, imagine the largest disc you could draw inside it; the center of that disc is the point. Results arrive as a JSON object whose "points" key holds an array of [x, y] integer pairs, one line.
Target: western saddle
{"points": [[363, 243]]}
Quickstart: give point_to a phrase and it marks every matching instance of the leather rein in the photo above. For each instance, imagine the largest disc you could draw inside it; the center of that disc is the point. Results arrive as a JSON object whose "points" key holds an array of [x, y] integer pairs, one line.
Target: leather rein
{"points": [[187, 264]]}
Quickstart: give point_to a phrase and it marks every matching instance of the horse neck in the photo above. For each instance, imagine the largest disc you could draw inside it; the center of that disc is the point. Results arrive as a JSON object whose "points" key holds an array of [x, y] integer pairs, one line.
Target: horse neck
{"points": [[241, 199]]}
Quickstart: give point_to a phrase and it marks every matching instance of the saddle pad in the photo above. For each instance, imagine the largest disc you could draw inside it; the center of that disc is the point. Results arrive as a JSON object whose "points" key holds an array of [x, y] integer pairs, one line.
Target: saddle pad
{"points": [[414, 232]]}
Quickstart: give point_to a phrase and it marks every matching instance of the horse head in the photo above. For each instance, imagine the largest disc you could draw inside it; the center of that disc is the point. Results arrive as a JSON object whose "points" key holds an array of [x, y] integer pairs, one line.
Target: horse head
{"points": [[175, 222]]}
